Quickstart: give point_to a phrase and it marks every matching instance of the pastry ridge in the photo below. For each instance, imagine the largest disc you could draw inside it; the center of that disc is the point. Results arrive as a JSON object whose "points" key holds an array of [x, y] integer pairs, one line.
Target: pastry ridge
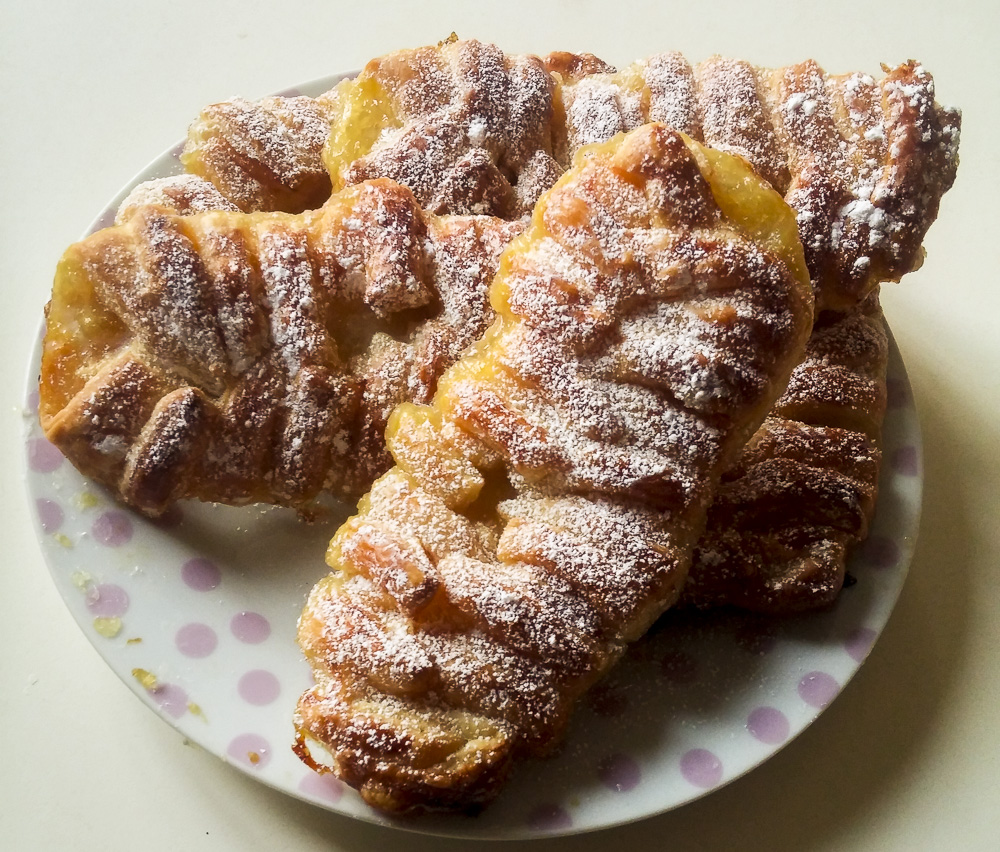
{"points": [[863, 161], [802, 494], [544, 506], [242, 358]]}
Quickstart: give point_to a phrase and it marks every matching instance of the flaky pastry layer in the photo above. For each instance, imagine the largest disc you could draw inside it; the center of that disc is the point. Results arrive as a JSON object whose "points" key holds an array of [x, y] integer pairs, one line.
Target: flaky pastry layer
{"points": [[242, 358], [544, 506], [802, 494], [469, 129]]}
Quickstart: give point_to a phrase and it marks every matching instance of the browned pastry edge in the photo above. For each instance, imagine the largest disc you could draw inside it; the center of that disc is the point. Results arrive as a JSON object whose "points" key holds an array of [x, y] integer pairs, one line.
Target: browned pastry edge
{"points": [[802, 495], [470, 129], [243, 358], [545, 505]]}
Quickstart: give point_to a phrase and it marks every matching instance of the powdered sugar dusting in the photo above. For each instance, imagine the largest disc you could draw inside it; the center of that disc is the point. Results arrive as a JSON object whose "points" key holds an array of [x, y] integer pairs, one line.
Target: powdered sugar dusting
{"points": [[803, 491], [596, 472], [300, 334]]}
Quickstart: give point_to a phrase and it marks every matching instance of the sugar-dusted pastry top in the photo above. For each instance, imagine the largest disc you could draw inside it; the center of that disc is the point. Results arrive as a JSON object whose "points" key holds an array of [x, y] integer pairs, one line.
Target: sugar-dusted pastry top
{"points": [[803, 491], [255, 357], [544, 506], [264, 155], [469, 129], [864, 162], [182, 194]]}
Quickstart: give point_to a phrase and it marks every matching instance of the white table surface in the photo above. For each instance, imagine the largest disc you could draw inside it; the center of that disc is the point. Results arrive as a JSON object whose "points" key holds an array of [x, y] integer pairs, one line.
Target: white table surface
{"points": [[907, 758]]}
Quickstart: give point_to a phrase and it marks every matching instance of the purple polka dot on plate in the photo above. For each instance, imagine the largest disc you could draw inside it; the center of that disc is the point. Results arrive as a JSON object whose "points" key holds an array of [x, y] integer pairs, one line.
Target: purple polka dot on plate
{"points": [[897, 393], [619, 772], [880, 551], [324, 787], [818, 689], [679, 667], [112, 529], [107, 600], [549, 817], [701, 768], [250, 627], [172, 699], [906, 461], [860, 642], [50, 514], [32, 402], [607, 701], [251, 750], [201, 574], [196, 640], [258, 687], [768, 724], [43, 456]]}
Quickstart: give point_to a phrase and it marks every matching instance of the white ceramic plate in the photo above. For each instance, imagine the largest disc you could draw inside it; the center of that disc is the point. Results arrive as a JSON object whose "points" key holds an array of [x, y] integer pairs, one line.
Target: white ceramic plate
{"points": [[196, 613]]}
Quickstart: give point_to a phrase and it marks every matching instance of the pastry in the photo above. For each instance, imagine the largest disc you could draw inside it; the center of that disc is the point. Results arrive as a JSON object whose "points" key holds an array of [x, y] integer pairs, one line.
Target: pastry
{"points": [[544, 507], [863, 162], [469, 129], [239, 358], [264, 155], [182, 194], [802, 493]]}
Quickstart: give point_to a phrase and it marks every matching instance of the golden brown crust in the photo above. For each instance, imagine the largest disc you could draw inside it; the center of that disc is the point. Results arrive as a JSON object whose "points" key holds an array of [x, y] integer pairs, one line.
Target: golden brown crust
{"points": [[263, 155], [182, 194], [863, 162], [466, 127], [469, 129], [802, 493], [544, 506], [255, 357]]}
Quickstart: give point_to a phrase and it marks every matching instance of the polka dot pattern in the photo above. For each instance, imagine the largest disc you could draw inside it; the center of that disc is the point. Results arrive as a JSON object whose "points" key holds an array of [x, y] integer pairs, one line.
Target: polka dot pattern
{"points": [[548, 816], [906, 461], [897, 393], [880, 551], [756, 637], [619, 772], [324, 787], [201, 574], [112, 529], [43, 456], [679, 667], [107, 600], [196, 640], [250, 627], [860, 642], [769, 725], [607, 701], [50, 515], [818, 689], [172, 699], [701, 768], [258, 687], [251, 750]]}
